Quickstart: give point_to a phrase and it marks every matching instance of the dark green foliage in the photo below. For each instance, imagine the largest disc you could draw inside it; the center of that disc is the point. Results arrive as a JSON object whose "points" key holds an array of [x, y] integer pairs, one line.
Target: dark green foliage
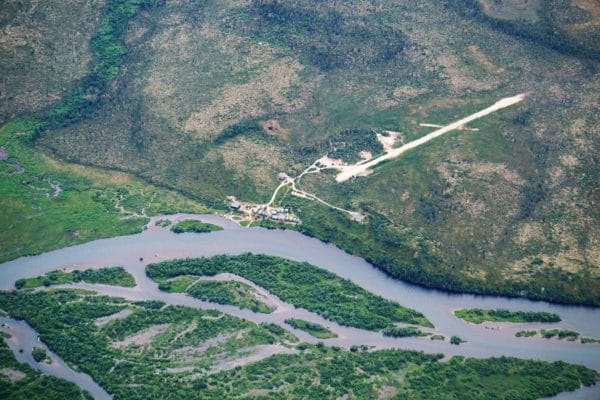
{"points": [[456, 340], [478, 315], [407, 331], [311, 328], [496, 378], [116, 276], [109, 51], [190, 225], [33, 385], [327, 38], [300, 284], [568, 334], [560, 334], [38, 354], [544, 32], [65, 321], [526, 333], [231, 292], [347, 145], [246, 128]]}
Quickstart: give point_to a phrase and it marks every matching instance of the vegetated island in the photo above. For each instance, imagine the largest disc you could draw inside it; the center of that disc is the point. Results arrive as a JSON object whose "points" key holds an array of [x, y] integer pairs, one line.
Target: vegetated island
{"points": [[560, 334], [220, 292], [154, 336], [115, 276], [191, 225], [20, 381], [406, 331], [300, 284], [311, 328], [478, 315]]}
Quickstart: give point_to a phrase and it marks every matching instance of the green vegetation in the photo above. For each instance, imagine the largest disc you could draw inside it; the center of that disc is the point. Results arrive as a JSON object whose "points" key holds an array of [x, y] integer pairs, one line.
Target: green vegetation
{"points": [[395, 331], [163, 223], [300, 284], [560, 334], [87, 203], [585, 340], [221, 292], [437, 337], [468, 212], [156, 347], [478, 315], [116, 276], [348, 144], [39, 354], [456, 340], [567, 334], [526, 333], [190, 225], [108, 51], [20, 382], [167, 353], [550, 27], [311, 328]]}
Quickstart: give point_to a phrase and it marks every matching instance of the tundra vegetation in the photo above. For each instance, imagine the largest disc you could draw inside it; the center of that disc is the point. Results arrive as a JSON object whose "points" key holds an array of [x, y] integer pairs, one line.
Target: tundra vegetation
{"points": [[161, 351], [116, 276], [506, 210], [300, 284], [478, 316]]}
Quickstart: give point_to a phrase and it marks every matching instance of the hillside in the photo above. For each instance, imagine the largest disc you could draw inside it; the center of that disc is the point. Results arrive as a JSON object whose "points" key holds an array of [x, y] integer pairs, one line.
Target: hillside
{"points": [[211, 99]]}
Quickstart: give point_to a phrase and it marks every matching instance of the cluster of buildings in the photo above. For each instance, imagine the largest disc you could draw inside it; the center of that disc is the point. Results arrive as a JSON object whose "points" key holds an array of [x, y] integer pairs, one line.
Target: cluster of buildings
{"points": [[278, 214]]}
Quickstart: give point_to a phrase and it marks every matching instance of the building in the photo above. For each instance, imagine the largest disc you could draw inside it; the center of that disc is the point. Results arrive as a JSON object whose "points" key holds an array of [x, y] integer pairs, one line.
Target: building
{"points": [[235, 205], [357, 217]]}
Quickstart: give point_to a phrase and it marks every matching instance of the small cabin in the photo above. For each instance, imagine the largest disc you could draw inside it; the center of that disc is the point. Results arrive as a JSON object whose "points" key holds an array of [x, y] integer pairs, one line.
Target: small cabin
{"points": [[357, 217]]}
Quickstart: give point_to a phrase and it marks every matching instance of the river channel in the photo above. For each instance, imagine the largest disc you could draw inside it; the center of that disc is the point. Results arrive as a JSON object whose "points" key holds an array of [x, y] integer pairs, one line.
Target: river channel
{"points": [[486, 340]]}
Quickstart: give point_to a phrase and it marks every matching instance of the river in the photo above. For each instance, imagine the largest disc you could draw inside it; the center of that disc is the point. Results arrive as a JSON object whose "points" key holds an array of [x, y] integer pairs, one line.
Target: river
{"points": [[485, 340]]}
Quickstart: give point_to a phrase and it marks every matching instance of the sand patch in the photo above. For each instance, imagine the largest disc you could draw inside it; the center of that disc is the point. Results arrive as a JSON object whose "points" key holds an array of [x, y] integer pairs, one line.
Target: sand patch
{"points": [[100, 322], [141, 338]]}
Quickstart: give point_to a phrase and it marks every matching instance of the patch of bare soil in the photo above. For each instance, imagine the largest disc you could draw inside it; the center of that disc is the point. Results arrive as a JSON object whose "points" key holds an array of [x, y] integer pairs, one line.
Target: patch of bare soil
{"points": [[12, 374], [141, 338], [273, 127], [512, 9], [100, 322], [483, 60], [249, 355], [592, 7], [386, 392]]}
